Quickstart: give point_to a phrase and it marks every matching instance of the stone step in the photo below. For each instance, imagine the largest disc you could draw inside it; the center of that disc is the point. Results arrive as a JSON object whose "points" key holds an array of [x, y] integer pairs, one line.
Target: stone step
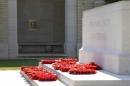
{"points": [[42, 83], [12, 78], [102, 78]]}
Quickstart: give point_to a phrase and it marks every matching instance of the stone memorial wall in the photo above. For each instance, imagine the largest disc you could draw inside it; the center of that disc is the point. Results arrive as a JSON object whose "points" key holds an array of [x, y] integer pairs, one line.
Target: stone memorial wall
{"points": [[3, 28], [106, 37]]}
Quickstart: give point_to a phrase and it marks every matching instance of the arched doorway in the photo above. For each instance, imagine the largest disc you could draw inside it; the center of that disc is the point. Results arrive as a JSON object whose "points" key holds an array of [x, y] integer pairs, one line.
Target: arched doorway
{"points": [[41, 26], [70, 31]]}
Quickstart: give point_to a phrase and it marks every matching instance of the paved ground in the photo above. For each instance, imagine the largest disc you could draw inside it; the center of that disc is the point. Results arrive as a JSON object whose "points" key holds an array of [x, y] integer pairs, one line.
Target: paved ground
{"points": [[12, 78]]}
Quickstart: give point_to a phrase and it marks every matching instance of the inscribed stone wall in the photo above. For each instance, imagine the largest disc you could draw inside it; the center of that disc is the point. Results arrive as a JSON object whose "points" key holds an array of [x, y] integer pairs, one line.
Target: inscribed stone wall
{"points": [[106, 36]]}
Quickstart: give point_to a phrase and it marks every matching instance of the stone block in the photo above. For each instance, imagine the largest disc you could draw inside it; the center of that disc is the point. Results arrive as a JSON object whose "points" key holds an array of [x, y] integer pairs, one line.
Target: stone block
{"points": [[106, 36]]}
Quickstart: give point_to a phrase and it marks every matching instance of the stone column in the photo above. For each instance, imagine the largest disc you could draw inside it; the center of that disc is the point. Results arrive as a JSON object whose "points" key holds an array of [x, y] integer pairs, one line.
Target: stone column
{"points": [[70, 27], [12, 28], [3, 29]]}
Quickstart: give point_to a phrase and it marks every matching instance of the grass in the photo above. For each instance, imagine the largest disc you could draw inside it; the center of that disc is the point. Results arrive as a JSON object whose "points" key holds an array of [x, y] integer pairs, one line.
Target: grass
{"points": [[15, 64]]}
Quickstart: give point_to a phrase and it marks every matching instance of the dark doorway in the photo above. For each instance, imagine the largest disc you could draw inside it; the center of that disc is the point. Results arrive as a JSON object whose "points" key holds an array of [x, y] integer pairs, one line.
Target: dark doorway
{"points": [[41, 26]]}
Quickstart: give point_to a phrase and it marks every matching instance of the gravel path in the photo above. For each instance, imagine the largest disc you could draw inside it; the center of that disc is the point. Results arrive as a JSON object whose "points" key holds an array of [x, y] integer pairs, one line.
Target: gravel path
{"points": [[12, 78]]}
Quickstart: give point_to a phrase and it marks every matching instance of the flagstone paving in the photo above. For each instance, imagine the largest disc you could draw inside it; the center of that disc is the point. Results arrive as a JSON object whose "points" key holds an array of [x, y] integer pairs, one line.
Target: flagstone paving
{"points": [[12, 78]]}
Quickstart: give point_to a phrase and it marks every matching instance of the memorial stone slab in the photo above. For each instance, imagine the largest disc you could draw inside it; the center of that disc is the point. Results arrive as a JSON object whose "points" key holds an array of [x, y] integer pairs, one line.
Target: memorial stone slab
{"points": [[106, 36]]}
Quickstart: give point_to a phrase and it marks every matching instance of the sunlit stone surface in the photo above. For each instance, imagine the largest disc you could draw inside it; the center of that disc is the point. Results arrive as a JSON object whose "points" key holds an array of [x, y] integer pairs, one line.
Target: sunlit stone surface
{"points": [[102, 78], [106, 36]]}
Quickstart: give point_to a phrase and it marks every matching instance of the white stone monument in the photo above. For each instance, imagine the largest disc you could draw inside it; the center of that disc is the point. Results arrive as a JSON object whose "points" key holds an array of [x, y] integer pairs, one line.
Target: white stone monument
{"points": [[106, 37], [106, 42]]}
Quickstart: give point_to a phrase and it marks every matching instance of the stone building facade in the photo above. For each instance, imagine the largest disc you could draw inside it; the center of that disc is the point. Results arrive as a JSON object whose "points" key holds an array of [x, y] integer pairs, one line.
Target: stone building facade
{"points": [[9, 45]]}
